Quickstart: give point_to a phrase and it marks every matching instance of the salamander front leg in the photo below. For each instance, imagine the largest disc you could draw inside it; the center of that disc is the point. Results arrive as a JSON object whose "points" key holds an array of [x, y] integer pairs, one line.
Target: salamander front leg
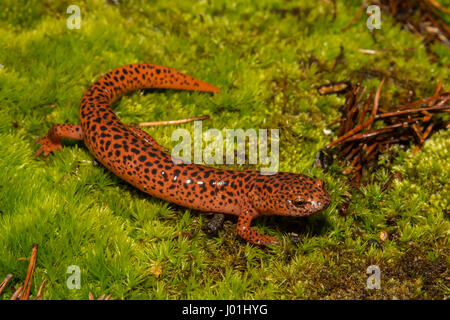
{"points": [[52, 140], [249, 234]]}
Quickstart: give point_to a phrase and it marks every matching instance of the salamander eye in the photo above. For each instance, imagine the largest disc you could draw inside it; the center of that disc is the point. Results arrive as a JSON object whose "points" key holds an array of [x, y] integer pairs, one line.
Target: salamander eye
{"points": [[299, 202]]}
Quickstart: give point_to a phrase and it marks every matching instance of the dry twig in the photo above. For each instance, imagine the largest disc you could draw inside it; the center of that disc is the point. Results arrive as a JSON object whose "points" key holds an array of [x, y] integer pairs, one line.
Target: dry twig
{"points": [[168, 122], [27, 284], [5, 282]]}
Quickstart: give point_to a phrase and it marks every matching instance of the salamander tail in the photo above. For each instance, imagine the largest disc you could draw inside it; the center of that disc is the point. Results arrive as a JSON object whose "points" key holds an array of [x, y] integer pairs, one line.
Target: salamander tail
{"points": [[146, 76]]}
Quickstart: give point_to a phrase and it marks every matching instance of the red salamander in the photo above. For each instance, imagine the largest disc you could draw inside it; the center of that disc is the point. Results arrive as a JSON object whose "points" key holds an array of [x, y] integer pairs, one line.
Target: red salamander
{"points": [[137, 158]]}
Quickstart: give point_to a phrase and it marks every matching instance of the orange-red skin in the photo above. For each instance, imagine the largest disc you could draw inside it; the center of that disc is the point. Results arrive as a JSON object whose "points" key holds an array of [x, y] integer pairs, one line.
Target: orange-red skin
{"points": [[135, 156]]}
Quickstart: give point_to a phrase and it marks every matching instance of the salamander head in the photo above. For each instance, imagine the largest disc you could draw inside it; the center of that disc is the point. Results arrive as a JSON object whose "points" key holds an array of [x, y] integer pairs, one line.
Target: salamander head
{"points": [[289, 194]]}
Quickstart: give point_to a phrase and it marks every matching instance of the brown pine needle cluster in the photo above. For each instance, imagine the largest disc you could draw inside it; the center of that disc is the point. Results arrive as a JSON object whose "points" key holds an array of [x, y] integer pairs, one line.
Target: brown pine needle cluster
{"points": [[422, 17], [23, 292], [359, 143]]}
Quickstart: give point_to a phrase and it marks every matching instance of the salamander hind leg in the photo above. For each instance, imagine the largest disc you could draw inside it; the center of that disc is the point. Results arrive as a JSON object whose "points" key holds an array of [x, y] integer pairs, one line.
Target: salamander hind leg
{"points": [[52, 140], [249, 234]]}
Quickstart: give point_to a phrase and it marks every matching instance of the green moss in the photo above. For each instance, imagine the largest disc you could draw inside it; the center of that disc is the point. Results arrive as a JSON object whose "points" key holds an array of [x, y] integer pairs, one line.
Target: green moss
{"points": [[80, 214]]}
